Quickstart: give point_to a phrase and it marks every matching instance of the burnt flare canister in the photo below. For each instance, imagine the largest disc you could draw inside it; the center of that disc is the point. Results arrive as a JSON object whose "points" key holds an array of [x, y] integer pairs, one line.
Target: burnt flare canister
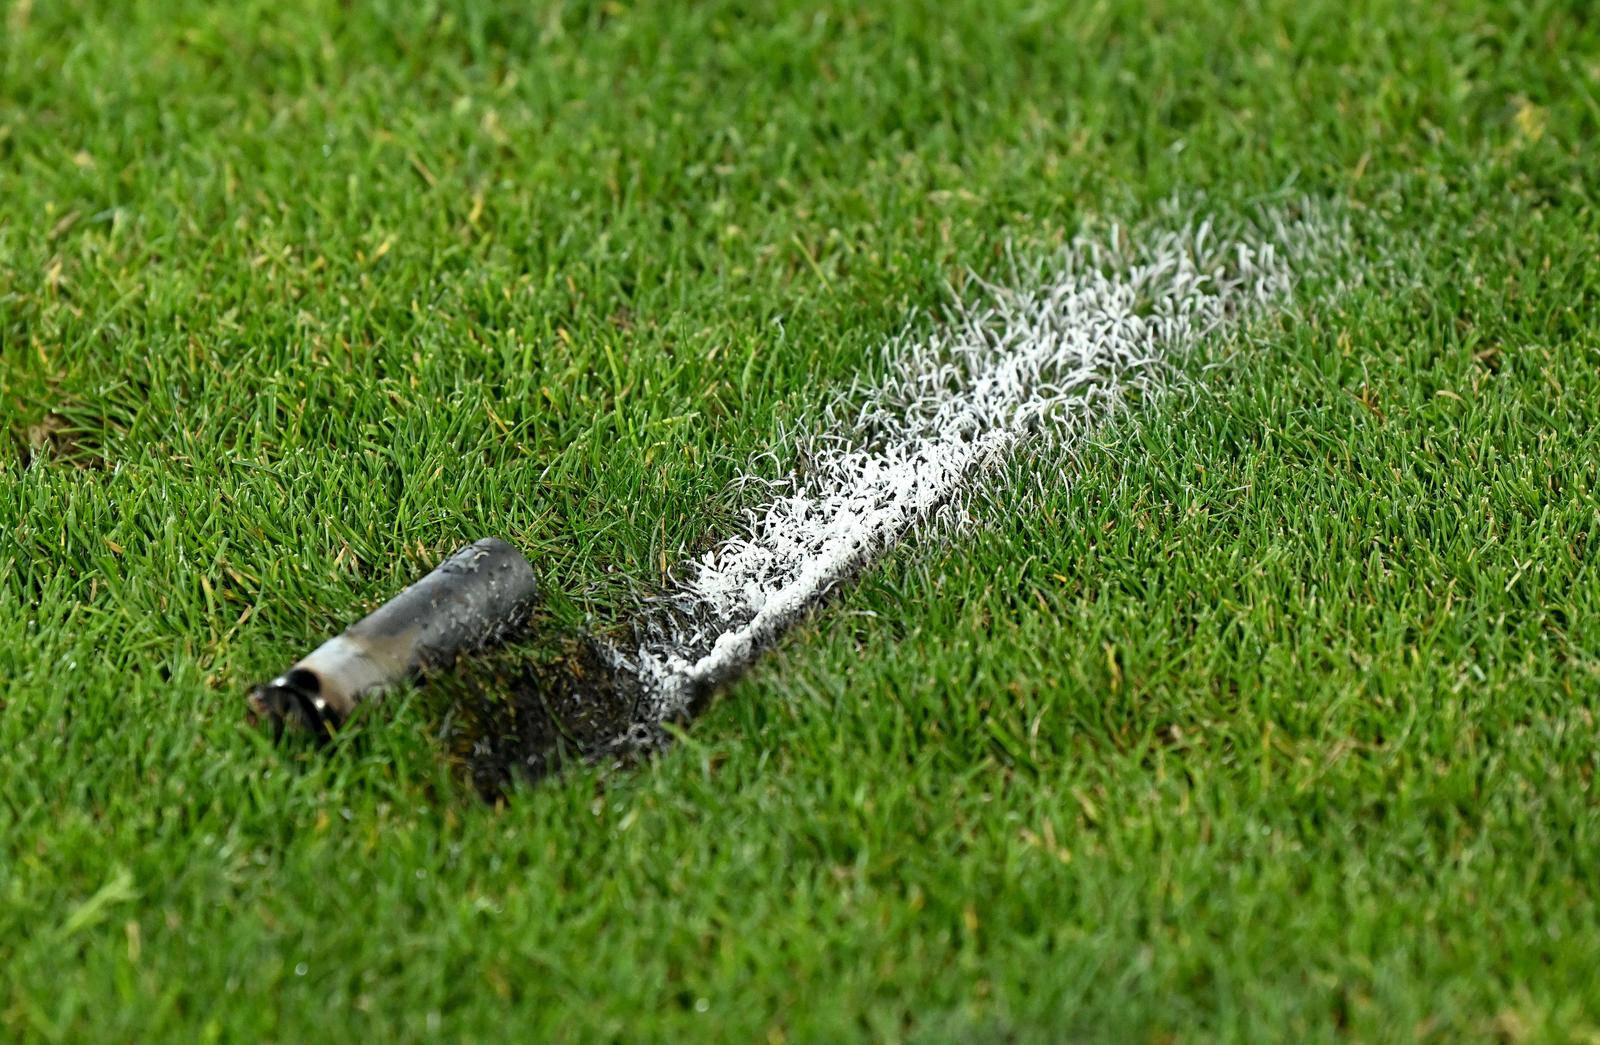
{"points": [[473, 599]]}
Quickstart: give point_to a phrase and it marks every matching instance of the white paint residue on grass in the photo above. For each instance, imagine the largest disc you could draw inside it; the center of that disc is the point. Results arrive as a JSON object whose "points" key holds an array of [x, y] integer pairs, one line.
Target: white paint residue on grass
{"points": [[1042, 363]]}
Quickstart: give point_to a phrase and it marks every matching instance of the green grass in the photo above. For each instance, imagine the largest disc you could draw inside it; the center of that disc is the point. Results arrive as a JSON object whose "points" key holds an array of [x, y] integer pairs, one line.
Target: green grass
{"points": [[1279, 720]]}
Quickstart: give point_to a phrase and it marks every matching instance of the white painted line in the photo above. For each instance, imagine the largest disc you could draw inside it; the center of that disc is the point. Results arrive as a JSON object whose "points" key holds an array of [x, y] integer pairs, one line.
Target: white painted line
{"points": [[1044, 363]]}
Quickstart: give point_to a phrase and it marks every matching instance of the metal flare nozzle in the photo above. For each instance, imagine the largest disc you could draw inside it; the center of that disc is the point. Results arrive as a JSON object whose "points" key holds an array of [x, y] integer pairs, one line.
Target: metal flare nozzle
{"points": [[472, 599]]}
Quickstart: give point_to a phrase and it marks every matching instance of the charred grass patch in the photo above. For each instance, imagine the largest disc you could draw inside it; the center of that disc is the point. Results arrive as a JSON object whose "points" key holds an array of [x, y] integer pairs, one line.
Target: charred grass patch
{"points": [[516, 716]]}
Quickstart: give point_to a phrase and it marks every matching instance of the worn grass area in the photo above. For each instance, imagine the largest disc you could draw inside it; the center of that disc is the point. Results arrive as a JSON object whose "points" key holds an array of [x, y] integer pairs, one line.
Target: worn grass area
{"points": [[1277, 720]]}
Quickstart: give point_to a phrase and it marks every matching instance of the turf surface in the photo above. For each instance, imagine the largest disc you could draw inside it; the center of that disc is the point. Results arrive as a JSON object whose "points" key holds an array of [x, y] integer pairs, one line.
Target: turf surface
{"points": [[1278, 720]]}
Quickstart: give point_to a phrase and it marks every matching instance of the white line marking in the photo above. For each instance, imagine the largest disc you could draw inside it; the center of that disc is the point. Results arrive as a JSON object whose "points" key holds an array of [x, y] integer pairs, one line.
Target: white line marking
{"points": [[1047, 363]]}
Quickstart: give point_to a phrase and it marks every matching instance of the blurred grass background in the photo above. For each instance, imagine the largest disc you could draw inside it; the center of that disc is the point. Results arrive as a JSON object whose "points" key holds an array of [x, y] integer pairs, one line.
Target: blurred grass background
{"points": [[1275, 720]]}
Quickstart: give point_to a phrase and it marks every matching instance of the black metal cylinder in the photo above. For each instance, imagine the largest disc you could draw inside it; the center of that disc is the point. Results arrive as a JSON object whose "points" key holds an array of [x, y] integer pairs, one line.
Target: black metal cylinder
{"points": [[472, 599]]}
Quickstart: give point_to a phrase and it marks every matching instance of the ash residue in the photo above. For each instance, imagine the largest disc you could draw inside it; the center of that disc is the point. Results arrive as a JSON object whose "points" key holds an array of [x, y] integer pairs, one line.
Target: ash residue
{"points": [[522, 716]]}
